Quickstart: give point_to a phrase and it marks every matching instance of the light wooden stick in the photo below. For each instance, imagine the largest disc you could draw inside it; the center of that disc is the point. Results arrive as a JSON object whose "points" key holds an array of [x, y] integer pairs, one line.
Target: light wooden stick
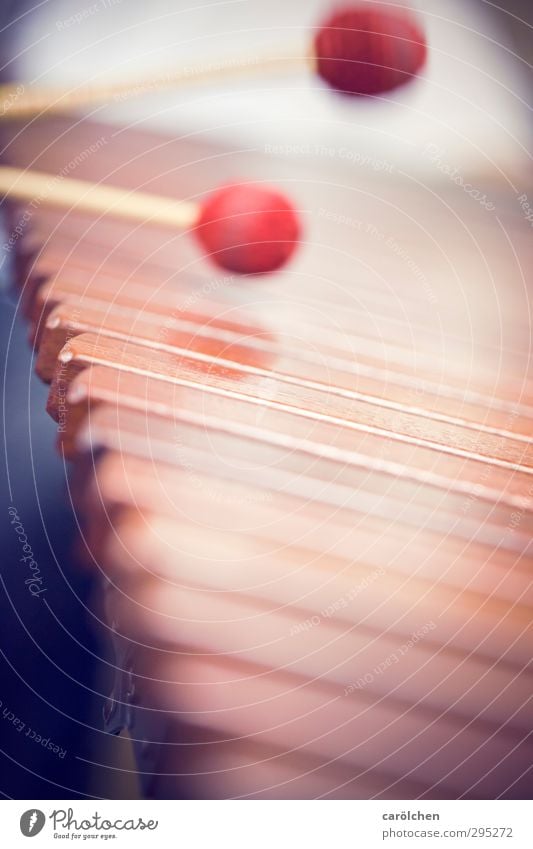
{"points": [[19, 101], [93, 197]]}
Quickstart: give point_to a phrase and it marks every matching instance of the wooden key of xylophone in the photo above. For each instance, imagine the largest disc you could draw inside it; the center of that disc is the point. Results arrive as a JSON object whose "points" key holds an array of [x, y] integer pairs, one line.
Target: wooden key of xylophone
{"points": [[394, 600], [336, 456], [243, 340], [173, 618], [269, 506], [311, 401], [244, 701]]}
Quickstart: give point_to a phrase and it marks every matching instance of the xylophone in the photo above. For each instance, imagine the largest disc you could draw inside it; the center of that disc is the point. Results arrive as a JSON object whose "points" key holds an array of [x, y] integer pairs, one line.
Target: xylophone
{"points": [[308, 494]]}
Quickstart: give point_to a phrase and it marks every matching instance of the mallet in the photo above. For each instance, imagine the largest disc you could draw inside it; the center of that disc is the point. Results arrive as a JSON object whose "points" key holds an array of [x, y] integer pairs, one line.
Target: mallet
{"points": [[245, 228], [362, 49]]}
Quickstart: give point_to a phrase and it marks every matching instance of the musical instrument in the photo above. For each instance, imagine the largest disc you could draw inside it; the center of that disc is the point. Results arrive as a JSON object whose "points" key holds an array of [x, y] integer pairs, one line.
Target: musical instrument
{"points": [[243, 228], [308, 495], [357, 50]]}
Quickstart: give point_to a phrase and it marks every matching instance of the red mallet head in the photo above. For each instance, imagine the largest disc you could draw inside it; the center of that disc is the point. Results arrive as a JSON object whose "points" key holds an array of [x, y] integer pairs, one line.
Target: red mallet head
{"points": [[249, 229], [368, 49]]}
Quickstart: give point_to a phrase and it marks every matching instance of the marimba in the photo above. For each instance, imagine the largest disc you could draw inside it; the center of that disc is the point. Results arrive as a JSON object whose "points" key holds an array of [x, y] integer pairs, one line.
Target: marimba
{"points": [[308, 495]]}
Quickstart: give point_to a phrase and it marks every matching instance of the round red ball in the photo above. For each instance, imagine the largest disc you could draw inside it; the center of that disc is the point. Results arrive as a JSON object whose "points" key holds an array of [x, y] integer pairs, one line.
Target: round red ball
{"points": [[369, 49], [248, 229]]}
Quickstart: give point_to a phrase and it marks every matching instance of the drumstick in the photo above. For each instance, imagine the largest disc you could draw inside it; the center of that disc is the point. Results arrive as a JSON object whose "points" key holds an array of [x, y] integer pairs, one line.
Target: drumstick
{"points": [[245, 228], [362, 49]]}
